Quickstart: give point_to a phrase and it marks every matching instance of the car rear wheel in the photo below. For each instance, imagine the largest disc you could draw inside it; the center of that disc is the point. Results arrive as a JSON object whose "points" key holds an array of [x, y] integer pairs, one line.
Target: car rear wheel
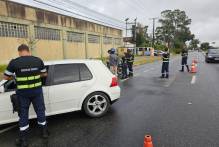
{"points": [[96, 104]]}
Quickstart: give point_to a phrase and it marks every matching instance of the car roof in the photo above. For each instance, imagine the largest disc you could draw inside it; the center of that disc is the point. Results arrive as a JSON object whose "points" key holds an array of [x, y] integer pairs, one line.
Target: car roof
{"points": [[69, 61]]}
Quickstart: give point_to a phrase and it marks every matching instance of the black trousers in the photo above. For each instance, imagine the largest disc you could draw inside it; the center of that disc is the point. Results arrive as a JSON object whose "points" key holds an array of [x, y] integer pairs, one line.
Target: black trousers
{"points": [[184, 62], [130, 67], [165, 69], [124, 71]]}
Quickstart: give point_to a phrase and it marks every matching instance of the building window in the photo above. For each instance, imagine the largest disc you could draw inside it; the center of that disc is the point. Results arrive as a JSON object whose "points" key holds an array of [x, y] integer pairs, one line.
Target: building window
{"points": [[75, 37], [93, 39], [47, 34], [107, 40], [13, 30], [118, 41]]}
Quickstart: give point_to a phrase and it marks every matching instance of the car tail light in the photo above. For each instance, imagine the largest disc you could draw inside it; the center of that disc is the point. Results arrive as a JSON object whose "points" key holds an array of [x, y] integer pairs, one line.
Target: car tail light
{"points": [[114, 82]]}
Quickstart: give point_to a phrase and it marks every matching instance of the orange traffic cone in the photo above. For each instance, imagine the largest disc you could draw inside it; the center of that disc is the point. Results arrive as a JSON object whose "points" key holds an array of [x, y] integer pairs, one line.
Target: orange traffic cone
{"points": [[193, 67], [148, 141]]}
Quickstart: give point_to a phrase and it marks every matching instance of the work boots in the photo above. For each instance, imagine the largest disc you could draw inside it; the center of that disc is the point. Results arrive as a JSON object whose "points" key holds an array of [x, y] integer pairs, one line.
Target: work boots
{"points": [[162, 76], [187, 66], [182, 70], [22, 140], [167, 76]]}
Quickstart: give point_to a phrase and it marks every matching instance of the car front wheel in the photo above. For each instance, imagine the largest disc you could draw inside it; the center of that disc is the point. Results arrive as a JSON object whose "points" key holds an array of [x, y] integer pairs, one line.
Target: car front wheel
{"points": [[96, 104]]}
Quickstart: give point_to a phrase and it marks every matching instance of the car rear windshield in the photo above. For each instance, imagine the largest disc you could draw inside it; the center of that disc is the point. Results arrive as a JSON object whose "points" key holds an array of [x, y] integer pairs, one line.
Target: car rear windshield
{"points": [[213, 51]]}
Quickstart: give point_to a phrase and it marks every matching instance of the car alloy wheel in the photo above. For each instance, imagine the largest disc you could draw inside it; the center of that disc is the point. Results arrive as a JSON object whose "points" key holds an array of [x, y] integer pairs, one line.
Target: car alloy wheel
{"points": [[96, 105]]}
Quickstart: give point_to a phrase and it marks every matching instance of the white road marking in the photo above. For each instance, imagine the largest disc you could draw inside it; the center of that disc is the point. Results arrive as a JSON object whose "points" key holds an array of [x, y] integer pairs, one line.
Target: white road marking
{"points": [[136, 75], [7, 129], [193, 80], [189, 103], [148, 70], [171, 81]]}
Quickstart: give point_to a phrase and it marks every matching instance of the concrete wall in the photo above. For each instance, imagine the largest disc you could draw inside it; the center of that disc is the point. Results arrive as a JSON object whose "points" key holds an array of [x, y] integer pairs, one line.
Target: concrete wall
{"points": [[52, 49], [94, 50], [8, 49], [49, 50], [106, 47], [75, 51]]}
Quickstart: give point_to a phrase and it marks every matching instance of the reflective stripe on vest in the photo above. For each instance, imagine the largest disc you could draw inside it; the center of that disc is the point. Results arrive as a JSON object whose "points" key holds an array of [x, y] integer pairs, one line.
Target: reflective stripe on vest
{"points": [[20, 79], [166, 59], [29, 86]]}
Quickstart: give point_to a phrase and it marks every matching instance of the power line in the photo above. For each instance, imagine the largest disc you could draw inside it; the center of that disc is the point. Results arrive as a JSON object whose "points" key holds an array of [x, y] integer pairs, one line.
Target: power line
{"points": [[102, 22], [137, 6]]}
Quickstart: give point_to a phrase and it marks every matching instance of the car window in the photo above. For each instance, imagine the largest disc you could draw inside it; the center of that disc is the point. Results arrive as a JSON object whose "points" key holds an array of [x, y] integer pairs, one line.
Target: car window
{"points": [[10, 86], [214, 51], [45, 79], [85, 73], [66, 73]]}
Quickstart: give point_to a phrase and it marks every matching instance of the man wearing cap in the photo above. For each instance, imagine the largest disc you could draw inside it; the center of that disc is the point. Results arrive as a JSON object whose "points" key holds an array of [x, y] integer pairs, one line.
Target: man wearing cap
{"points": [[28, 71]]}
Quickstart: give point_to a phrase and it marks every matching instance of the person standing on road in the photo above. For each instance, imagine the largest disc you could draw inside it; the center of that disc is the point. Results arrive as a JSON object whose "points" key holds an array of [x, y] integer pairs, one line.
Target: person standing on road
{"points": [[184, 60], [113, 61], [165, 65], [124, 68], [28, 71], [130, 60]]}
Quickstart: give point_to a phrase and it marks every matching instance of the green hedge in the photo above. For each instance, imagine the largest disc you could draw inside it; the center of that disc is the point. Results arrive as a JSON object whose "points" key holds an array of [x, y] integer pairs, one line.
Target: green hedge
{"points": [[2, 68]]}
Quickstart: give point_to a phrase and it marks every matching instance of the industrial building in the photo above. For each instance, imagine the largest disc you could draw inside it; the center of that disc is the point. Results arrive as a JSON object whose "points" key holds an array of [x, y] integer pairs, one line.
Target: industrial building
{"points": [[56, 29]]}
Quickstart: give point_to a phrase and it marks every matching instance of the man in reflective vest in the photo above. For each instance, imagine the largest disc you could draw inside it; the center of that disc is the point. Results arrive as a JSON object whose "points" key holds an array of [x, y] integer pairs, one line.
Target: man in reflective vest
{"points": [[165, 65], [28, 71], [184, 60], [130, 60]]}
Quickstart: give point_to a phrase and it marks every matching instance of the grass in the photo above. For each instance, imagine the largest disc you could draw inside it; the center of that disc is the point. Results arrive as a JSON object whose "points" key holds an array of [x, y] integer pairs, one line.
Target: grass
{"points": [[2, 69], [146, 60]]}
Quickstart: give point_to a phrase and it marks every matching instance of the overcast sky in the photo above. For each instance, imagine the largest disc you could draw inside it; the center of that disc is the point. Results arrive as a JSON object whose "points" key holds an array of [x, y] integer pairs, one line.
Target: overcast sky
{"points": [[204, 13]]}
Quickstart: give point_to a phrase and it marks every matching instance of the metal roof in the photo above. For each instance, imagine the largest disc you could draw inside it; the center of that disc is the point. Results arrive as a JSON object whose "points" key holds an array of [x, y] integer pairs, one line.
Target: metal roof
{"points": [[69, 8]]}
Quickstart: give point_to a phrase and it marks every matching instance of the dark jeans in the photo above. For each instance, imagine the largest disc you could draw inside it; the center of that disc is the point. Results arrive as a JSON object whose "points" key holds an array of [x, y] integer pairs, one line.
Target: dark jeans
{"points": [[165, 68], [26, 97], [124, 71], [184, 61], [130, 67]]}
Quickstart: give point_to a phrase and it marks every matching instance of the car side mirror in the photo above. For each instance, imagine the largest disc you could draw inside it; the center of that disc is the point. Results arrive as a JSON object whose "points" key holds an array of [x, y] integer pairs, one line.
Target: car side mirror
{"points": [[2, 89]]}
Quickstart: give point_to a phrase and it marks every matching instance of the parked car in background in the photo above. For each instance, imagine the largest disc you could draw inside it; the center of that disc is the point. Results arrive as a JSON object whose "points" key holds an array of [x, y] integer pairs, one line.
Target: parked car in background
{"points": [[156, 52], [212, 55], [71, 85]]}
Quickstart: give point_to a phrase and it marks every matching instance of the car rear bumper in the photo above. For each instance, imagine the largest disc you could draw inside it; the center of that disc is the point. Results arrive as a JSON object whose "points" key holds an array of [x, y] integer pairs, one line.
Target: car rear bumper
{"points": [[115, 93], [212, 60]]}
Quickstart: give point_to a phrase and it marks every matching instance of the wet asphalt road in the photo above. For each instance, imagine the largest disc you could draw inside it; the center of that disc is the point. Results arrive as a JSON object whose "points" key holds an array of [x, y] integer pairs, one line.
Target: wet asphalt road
{"points": [[179, 112]]}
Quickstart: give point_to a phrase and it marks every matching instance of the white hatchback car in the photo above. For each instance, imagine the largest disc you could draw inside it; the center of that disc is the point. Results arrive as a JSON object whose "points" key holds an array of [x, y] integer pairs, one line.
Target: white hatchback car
{"points": [[71, 85]]}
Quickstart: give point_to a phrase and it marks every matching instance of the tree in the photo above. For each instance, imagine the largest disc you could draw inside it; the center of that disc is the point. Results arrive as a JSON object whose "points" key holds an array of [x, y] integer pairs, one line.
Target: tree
{"points": [[174, 29], [141, 35], [205, 46], [194, 43]]}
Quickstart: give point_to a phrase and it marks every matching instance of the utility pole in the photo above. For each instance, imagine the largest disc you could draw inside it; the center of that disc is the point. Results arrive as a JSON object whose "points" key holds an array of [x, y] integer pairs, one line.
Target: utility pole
{"points": [[135, 35], [126, 30], [135, 30], [153, 40]]}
